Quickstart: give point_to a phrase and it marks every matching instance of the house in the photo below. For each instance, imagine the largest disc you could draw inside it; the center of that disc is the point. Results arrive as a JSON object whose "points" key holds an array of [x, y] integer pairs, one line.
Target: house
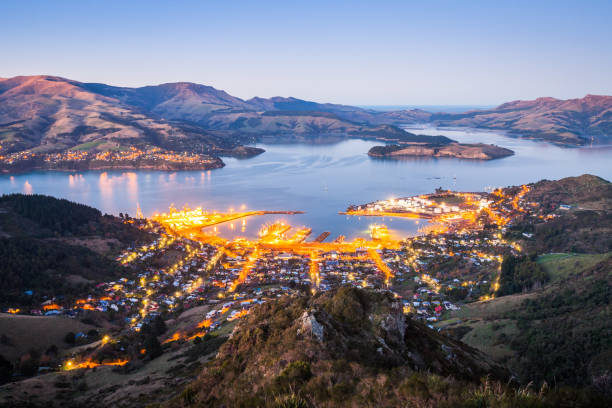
{"points": [[52, 313]]}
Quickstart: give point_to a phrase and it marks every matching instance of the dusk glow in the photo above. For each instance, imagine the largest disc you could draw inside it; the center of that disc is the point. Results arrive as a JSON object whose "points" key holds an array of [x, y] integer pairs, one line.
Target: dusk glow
{"points": [[351, 52]]}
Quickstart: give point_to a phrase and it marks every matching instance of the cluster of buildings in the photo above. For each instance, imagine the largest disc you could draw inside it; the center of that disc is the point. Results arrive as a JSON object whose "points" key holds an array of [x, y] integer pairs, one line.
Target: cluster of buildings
{"points": [[126, 156], [430, 205], [431, 273], [13, 158]]}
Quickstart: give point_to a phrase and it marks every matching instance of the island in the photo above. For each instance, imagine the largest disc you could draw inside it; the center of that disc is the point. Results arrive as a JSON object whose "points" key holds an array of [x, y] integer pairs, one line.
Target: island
{"points": [[477, 151]]}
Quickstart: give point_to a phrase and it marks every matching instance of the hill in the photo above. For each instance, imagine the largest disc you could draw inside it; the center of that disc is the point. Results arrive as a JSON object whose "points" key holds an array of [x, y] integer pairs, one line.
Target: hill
{"points": [[351, 347], [559, 334], [582, 209], [548, 321], [565, 122], [24, 333], [214, 109], [50, 122], [45, 113], [54, 247], [332, 349], [551, 322]]}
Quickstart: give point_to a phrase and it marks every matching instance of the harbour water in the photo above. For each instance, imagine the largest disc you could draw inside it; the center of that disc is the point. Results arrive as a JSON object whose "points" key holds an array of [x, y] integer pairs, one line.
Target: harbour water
{"points": [[320, 179]]}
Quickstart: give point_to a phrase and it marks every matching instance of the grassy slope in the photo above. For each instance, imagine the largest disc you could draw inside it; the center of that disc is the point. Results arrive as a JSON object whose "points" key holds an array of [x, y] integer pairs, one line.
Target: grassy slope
{"points": [[106, 386], [495, 327], [38, 332], [561, 266]]}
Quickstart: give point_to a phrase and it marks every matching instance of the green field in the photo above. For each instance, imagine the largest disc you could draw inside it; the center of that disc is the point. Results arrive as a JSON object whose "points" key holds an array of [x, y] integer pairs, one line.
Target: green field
{"points": [[492, 337], [560, 266]]}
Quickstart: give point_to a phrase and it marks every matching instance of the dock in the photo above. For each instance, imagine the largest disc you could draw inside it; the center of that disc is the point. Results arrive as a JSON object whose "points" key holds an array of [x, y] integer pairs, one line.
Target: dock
{"points": [[322, 237]]}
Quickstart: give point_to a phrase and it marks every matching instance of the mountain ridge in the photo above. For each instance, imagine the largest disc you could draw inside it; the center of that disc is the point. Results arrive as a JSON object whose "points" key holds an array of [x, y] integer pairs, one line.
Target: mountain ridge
{"points": [[570, 122], [45, 113]]}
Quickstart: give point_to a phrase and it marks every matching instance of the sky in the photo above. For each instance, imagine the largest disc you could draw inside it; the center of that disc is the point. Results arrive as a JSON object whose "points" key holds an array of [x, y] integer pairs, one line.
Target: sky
{"points": [[355, 52]]}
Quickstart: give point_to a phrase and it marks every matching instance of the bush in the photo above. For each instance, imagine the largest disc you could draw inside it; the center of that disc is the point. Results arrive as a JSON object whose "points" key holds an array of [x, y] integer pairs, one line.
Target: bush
{"points": [[28, 366], [6, 370], [188, 395], [292, 401], [294, 375], [70, 338], [152, 346], [346, 305], [415, 386]]}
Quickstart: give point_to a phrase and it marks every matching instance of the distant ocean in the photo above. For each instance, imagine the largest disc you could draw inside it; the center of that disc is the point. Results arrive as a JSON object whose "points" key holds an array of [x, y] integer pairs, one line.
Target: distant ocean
{"points": [[429, 108]]}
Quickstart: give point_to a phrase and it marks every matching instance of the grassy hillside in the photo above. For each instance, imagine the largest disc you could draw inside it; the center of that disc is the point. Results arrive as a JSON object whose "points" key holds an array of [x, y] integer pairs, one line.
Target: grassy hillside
{"points": [[25, 333], [561, 334], [582, 211], [348, 348], [46, 115], [552, 322]]}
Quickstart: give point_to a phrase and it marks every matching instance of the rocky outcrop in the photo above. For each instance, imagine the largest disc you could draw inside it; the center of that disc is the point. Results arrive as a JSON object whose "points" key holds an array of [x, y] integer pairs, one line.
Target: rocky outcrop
{"points": [[348, 336], [310, 326]]}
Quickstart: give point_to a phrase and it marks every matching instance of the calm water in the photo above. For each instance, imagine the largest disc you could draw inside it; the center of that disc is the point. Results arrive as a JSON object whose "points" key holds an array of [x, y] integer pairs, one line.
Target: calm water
{"points": [[318, 179]]}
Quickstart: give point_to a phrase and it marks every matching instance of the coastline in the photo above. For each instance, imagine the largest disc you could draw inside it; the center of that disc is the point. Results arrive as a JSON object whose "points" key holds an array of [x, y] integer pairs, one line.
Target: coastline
{"points": [[89, 166]]}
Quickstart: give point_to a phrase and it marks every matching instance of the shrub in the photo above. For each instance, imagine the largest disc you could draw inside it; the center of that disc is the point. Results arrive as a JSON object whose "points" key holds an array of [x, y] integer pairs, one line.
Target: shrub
{"points": [[70, 338]]}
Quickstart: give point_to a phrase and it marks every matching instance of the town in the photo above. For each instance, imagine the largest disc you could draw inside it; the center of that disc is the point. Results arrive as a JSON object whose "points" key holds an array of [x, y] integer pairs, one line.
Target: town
{"points": [[188, 268], [132, 157]]}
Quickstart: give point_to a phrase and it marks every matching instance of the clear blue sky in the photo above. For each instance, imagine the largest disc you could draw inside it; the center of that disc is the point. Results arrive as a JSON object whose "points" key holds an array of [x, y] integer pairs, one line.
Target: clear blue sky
{"points": [[354, 52]]}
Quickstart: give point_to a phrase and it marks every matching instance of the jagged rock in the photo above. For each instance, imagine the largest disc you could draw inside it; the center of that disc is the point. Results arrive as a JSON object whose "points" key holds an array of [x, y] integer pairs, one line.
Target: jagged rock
{"points": [[394, 324], [310, 326], [347, 333]]}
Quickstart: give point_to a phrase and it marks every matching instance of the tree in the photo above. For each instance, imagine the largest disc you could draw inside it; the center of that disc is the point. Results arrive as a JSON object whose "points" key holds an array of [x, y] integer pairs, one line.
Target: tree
{"points": [[158, 326], [152, 346], [519, 273], [6, 370]]}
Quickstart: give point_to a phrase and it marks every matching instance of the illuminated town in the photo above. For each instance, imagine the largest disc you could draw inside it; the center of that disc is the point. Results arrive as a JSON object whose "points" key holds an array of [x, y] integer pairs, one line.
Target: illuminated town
{"points": [[131, 157], [456, 258]]}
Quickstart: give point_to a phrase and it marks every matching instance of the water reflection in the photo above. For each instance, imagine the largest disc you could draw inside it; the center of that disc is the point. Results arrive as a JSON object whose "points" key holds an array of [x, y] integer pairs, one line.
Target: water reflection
{"points": [[27, 187], [75, 180], [126, 183]]}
